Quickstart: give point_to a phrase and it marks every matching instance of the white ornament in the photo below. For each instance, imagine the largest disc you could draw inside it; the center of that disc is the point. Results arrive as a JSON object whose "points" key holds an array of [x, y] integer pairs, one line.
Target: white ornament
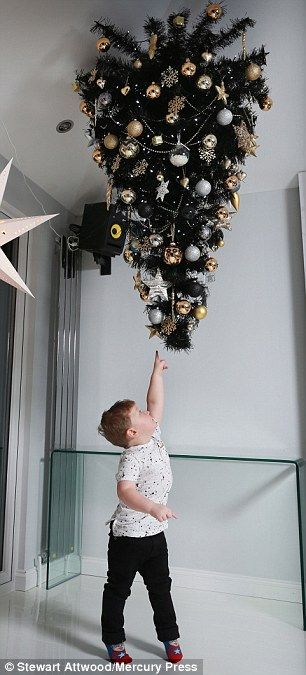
{"points": [[203, 187], [158, 287], [224, 117], [155, 316], [179, 156], [192, 253], [162, 190], [10, 229]]}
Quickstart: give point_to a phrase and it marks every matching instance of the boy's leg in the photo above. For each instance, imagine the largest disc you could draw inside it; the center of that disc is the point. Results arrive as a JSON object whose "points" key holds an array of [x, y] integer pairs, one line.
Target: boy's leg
{"points": [[122, 567], [155, 572]]}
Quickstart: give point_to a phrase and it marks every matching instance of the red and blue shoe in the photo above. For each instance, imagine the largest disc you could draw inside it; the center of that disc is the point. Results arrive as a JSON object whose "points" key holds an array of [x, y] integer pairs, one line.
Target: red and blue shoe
{"points": [[173, 650], [117, 653]]}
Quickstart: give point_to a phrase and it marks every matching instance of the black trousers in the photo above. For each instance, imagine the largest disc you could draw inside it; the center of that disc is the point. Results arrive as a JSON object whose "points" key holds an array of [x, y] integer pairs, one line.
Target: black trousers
{"points": [[149, 556]]}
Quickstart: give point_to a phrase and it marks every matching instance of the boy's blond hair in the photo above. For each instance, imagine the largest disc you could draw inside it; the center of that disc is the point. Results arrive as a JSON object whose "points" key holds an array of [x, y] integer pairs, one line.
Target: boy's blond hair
{"points": [[115, 422]]}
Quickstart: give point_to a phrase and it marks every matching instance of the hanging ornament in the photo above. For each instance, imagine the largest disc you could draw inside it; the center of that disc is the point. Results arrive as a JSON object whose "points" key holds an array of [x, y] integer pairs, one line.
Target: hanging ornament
{"points": [[157, 140], [160, 177], [101, 83], [152, 45], [173, 254], [144, 293], [145, 245], [191, 324], [135, 244], [210, 141], [97, 156], [75, 86], [172, 118], [183, 307], [103, 101], [87, 109], [222, 213], [235, 200], [129, 148], [184, 182], [207, 154], [222, 95], [156, 240], [153, 91], [205, 232], [226, 162], [145, 210], [155, 316], [103, 44], [128, 256], [176, 104], [134, 128], [162, 190], [206, 56], [193, 288], [211, 264], [224, 117], [169, 77], [111, 141], [188, 68], [137, 64], [153, 331], [232, 183], [203, 187], [199, 312], [178, 21], [116, 163], [140, 168], [125, 90], [252, 72], [179, 156], [128, 195], [214, 11], [158, 287], [109, 192], [241, 175], [168, 326], [204, 82], [192, 253], [266, 103], [245, 140]]}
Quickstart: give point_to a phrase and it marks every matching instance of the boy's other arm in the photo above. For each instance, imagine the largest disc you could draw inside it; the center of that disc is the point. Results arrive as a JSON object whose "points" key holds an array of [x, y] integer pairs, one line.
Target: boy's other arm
{"points": [[155, 395], [128, 494]]}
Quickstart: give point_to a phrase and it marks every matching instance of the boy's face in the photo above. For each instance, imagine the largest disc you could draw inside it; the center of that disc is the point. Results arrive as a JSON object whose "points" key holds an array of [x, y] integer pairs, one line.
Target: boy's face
{"points": [[141, 422]]}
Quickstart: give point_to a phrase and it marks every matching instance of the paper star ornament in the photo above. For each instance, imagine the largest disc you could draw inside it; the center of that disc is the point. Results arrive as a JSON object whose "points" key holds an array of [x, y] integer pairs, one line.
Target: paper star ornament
{"points": [[158, 287], [11, 228]]}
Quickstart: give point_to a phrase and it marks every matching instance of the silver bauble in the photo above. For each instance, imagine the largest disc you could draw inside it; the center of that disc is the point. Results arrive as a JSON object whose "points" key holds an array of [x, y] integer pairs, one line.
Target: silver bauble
{"points": [[179, 156], [104, 99], [135, 244], [155, 316], [224, 117], [205, 232], [192, 253], [156, 240], [203, 187]]}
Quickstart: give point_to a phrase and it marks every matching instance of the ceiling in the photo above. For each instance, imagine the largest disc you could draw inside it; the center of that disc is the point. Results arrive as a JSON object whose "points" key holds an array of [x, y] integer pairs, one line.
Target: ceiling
{"points": [[44, 43]]}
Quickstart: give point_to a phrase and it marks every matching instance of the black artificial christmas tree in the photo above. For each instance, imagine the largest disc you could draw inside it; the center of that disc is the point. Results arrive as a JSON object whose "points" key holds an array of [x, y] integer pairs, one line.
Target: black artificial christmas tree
{"points": [[172, 123]]}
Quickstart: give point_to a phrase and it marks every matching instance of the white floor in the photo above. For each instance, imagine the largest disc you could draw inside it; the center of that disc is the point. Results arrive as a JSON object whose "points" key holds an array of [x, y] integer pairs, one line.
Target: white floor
{"points": [[234, 635]]}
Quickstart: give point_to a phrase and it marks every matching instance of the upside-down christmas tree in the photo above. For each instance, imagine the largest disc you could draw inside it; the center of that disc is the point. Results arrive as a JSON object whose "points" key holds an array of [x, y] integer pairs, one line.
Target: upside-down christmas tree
{"points": [[171, 124]]}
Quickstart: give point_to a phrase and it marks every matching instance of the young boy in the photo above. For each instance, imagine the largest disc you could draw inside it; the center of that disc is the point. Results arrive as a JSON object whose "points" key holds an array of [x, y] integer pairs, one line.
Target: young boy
{"points": [[136, 538]]}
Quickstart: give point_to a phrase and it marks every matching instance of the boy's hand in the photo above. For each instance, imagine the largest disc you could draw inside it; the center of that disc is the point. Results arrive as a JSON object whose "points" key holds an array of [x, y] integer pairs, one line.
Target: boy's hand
{"points": [[161, 512], [159, 364]]}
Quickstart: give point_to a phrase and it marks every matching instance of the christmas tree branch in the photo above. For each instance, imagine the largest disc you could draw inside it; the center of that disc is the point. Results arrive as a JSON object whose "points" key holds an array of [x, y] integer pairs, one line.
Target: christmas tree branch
{"points": [[120, 39]]}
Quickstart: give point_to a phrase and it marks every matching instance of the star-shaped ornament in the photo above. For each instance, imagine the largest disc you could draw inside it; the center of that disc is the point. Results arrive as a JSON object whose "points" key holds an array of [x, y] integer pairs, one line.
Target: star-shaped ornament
{"points": [[162, 190], [222, 95], [158, 287], [10, 229], [153, 331]]}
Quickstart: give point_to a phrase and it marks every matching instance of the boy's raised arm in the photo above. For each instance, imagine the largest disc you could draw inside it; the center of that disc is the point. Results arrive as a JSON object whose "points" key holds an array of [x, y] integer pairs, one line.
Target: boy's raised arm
{"points": [[155, 395]]}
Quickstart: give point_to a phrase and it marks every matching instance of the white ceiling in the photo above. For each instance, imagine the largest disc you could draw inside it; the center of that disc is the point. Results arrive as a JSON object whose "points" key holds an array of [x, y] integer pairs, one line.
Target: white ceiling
{"points": [[43, 43]]}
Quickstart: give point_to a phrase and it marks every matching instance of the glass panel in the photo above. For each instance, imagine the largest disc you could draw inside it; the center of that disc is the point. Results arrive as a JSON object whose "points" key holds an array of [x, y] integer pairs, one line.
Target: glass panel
{"points": [[7, 315], [302, 529], [65, 517]]}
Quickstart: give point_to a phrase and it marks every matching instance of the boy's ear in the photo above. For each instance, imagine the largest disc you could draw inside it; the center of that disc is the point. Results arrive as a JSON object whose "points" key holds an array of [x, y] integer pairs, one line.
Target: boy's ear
{"points": [[131, 432]]}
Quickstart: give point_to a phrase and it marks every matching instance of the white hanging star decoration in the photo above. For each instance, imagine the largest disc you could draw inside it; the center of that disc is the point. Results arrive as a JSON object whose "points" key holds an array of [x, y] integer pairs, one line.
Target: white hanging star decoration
{"points": [[162, 190], [11, 228], [222, 95], [158, 287]]}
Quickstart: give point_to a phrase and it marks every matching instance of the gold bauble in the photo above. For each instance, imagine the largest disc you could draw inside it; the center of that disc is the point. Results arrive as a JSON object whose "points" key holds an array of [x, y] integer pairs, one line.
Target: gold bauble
{"points": [[232, 182], [183, 307], [204, 82], [111, 141], [125, 90], [128, 195], [103, 44], [171, 118], [128, 149], [179, 21], [206, 56], [222, 213], [173, 254], [226, 163], [157, 140], [188, 68], [199, 312], [211, 264], [266, 103], [221, 243], [86, 108], [137, 64], [160, 177], [252, 72], [134, 128], [128, 255], [97, 155], [144, 293], [184, 182], [153, 91], [214, 11], [235, 200]]}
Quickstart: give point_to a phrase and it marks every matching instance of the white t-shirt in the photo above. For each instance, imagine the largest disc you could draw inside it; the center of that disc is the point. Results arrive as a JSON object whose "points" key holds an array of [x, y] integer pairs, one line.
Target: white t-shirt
{"points": [[149, 466]]}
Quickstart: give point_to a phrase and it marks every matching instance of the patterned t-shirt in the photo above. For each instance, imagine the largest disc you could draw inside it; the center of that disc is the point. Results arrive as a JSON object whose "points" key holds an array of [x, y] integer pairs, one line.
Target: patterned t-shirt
{"points": [[149, 466]]}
